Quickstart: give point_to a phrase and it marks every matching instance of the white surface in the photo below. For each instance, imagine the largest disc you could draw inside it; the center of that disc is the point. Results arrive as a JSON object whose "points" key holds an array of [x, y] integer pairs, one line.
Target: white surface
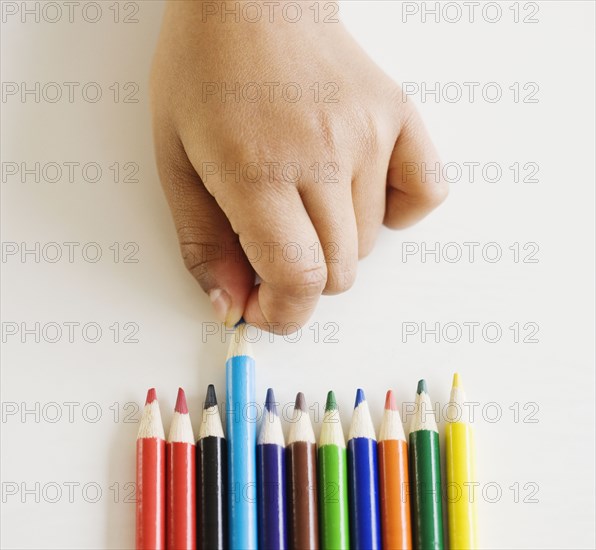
{"points": [[557, 374]]}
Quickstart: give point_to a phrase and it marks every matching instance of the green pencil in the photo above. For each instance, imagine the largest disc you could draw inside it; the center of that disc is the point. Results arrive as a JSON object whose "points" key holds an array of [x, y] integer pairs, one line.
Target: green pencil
{"points": [[425, 474], [333, 481]]}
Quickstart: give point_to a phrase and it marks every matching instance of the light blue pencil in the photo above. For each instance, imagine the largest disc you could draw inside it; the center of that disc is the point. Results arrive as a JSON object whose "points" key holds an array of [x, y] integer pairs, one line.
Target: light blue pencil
{"points": [[242, 443]]}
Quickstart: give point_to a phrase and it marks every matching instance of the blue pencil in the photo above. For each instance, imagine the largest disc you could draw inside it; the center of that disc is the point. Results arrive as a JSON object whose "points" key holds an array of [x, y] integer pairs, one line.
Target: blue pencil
{"points": [[363, 483], [272, 478], [242, 442]]}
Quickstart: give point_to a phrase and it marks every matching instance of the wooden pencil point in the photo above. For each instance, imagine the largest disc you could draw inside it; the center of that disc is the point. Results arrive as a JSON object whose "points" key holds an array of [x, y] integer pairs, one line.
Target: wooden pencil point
{"points": [[270, 403], [181, 406], [422, 387], [360, 397], [300, 404], [390, 401], [211, 397], [151, 396], [331, 403], [240, 345], [456, 381]]}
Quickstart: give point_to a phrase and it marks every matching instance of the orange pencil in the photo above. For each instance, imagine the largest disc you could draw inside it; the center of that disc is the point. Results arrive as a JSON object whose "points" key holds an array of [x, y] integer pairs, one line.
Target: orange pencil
{"points": [[393, 480]]}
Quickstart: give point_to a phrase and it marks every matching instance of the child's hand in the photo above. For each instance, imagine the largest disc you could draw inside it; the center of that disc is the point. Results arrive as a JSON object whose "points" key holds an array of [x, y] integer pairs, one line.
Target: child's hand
{"points": [[294, 191]]}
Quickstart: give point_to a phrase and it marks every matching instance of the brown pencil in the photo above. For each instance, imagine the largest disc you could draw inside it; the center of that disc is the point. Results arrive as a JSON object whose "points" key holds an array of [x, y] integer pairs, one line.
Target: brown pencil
{"points": [[301, 461]]}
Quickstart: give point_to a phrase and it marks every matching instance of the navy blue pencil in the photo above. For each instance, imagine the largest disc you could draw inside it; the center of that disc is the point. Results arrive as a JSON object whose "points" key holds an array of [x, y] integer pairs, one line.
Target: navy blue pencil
{"points": [[363, 483], [273, 533]]}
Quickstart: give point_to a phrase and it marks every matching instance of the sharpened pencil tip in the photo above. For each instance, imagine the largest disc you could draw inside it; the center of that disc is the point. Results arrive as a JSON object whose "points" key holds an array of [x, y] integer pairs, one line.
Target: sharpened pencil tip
{"points": [[270, 402], [390, 401], [300, 402], [360, 397], [456, 381], [181, 406], [331, 404], [151, 396], [240, 344], [211, 397], [422, 387], [241, 322]]}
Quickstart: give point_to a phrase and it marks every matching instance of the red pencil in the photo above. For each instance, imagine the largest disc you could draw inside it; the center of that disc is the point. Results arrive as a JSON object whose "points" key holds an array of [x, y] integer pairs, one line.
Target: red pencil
{"points": [[151, 486], [180, 480]]}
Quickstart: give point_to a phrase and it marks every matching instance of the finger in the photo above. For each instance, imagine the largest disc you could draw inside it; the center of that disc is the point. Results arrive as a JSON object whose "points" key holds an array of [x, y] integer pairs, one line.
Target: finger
{"points": [[280, 242], [369, 187], [414, 183], [330, 208], [210, 248]]}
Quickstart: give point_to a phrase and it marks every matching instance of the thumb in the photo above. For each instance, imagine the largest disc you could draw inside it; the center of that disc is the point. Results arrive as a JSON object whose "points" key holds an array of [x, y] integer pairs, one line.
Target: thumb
{"points": [[210, 248]]}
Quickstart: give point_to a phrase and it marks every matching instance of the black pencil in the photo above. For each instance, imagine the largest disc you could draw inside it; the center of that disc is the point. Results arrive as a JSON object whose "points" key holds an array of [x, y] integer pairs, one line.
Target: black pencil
{"points": [[212, 525]]}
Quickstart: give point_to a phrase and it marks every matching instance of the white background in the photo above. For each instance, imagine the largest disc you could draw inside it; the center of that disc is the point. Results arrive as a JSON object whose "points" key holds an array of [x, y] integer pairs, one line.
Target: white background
{"points": [[554, 454]]}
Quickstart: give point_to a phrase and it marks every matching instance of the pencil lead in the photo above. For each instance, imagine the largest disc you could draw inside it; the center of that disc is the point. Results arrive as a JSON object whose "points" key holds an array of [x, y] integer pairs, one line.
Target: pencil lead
{"points": [[240, 322], [151, 396], [456, 381], [359, 397], [270, 402], [300, 402], [211, 397], [422, 387], [181, 406], [331, 404], [390, 401]]}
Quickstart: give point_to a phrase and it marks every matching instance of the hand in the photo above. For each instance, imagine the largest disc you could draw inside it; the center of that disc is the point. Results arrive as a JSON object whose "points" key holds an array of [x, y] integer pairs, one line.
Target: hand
{"points": [[294, 190]]}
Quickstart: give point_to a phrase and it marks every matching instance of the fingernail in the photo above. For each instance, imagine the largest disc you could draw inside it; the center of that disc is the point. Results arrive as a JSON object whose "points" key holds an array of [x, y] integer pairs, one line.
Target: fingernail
{"points": [[221, 302]]}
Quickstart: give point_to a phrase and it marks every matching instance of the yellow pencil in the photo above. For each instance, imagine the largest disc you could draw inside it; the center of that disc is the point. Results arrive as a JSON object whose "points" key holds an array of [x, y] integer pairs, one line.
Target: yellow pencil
{"points": [[461, 472]]}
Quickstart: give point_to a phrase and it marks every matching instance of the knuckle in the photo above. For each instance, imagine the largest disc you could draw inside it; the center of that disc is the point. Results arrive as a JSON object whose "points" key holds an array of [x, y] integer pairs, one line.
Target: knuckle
{"points": [[198, 255], [326, 128], [340, 280], [307, 282], [367, 133], [365, 245], [433, 196]]}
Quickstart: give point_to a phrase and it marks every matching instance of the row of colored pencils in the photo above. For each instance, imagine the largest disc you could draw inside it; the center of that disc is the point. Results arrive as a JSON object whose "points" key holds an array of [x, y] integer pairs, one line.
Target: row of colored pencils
{"points": [[264, 492]]}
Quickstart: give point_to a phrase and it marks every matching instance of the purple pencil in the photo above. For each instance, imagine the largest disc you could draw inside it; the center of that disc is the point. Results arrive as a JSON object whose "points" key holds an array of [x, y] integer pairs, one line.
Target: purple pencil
{"points": [[271, 479]]}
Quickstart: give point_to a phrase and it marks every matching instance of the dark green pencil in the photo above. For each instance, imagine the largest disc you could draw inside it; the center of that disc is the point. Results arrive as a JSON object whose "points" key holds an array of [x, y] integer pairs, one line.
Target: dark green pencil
{"points": [[425, 464]]}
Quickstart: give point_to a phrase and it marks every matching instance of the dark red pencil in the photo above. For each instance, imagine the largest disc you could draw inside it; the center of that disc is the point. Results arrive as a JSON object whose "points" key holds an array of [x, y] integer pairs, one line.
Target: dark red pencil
{"points": [[151, 485], [181, 480]]}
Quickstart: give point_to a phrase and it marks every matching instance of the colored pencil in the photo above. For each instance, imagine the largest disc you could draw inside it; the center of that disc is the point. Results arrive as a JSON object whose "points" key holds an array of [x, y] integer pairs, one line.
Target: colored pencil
{"points": [[363, 483], [396, 532], [333, 481], [181, 480], [425, 465], [461, 472], [151, 478], [301, 460], [212, 473], [272, 477], [242, 443]]}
